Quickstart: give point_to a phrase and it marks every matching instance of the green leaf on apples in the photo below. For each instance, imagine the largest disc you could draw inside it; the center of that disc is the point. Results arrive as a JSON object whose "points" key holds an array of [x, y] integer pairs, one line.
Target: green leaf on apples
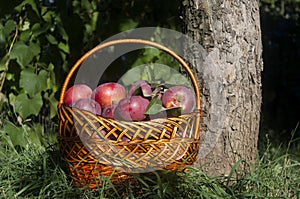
{"points": [[161, 72], [139, 91], [179, 79], [131, 76], [154, 107], [147, 73], [174, 112]]}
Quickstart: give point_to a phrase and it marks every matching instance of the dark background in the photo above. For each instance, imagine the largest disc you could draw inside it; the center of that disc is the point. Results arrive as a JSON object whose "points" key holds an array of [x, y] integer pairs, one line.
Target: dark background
{"points": [[281, 75]]}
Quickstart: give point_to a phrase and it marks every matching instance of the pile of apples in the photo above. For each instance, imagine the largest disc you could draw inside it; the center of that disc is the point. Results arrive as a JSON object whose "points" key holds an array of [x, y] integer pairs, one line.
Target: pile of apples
{"points": [[111, 100]]}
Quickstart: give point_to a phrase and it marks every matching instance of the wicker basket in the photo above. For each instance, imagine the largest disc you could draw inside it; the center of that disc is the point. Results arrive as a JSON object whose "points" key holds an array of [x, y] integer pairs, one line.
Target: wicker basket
{"points": [[130, 147]]}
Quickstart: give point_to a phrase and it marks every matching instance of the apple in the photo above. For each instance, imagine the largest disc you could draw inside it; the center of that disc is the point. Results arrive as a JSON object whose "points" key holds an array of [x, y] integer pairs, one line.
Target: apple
{"points": [[132, 108], [88, 104], [179, 96], [125, 139], [109, 93], [77, 92], [143, 85], [108, 112]]}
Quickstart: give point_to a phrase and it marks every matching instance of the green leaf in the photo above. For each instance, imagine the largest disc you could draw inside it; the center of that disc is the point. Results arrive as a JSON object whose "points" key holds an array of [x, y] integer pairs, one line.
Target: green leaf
{"points": [[174, 112], [12, 98], [151, 53], [10, 76], [32, 83], [178, 79], [37, 29], [32, 3], [24, 53], [10, 26], [154, 107], [161, 72], [51, 80], [128, 24], [25, 106], [87, 5], [64, 47], [147, 73], [141, 92], [51, 39], [5, 31], [131, 76], [63, 33], [94, 20], [3, 99], [25, 35], [16, 134], [26, 26]]}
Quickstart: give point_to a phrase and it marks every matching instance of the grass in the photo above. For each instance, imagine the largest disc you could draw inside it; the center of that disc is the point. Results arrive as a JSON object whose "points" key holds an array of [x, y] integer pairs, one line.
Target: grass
{"points": [[35, 170]]}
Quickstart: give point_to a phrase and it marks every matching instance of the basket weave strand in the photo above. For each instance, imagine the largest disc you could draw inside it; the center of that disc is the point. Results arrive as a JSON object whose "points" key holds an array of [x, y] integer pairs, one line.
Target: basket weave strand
{"points": [[94, 146]]}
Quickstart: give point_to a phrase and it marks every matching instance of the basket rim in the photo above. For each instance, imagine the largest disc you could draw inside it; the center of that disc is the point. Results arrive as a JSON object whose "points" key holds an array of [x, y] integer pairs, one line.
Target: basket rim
{"points": [[66, 111], [195, 112]]}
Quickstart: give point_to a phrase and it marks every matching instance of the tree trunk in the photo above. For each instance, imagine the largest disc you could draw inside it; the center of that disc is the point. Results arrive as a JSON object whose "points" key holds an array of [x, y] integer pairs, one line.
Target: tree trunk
{"points": [[229, 77]]}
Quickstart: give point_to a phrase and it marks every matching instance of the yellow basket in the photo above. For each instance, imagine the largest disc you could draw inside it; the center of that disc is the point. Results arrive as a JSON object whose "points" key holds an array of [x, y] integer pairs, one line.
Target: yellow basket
{"points": [[161, 143]]}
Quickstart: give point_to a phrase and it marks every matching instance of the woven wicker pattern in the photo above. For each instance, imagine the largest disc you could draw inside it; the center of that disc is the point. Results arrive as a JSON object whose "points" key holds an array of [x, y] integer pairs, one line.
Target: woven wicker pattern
{"points": [[132, 146], [94, 146]]}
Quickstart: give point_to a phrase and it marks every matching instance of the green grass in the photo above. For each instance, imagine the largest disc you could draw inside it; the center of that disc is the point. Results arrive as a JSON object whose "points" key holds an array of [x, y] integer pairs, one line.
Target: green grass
{"points": [[35, 170]]}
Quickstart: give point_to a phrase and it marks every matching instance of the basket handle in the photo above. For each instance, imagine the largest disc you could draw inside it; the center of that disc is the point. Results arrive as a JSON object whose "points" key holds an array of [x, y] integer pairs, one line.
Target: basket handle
{"points": [[137, 41]]}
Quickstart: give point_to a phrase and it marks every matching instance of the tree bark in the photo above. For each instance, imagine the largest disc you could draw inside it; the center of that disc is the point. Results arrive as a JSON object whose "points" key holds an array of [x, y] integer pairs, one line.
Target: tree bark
{"points": [[230, 79]]}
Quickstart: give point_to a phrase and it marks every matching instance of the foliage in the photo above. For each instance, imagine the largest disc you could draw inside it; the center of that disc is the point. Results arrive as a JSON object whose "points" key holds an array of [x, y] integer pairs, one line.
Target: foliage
{"points": [[286, 8], [41, 40], [34, 46]]}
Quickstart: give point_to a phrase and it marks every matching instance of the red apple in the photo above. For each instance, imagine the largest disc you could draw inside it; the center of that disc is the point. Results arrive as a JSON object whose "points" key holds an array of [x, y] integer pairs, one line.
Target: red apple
{"points": [[88, 104], [143, 85], [77, 92], [108, 112], [132, 108], [109, 93], [179, 96]]}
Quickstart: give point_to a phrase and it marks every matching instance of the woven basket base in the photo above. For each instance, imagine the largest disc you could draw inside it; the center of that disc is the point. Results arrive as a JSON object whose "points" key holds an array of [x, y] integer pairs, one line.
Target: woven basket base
{"points": [[93, 175]]}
